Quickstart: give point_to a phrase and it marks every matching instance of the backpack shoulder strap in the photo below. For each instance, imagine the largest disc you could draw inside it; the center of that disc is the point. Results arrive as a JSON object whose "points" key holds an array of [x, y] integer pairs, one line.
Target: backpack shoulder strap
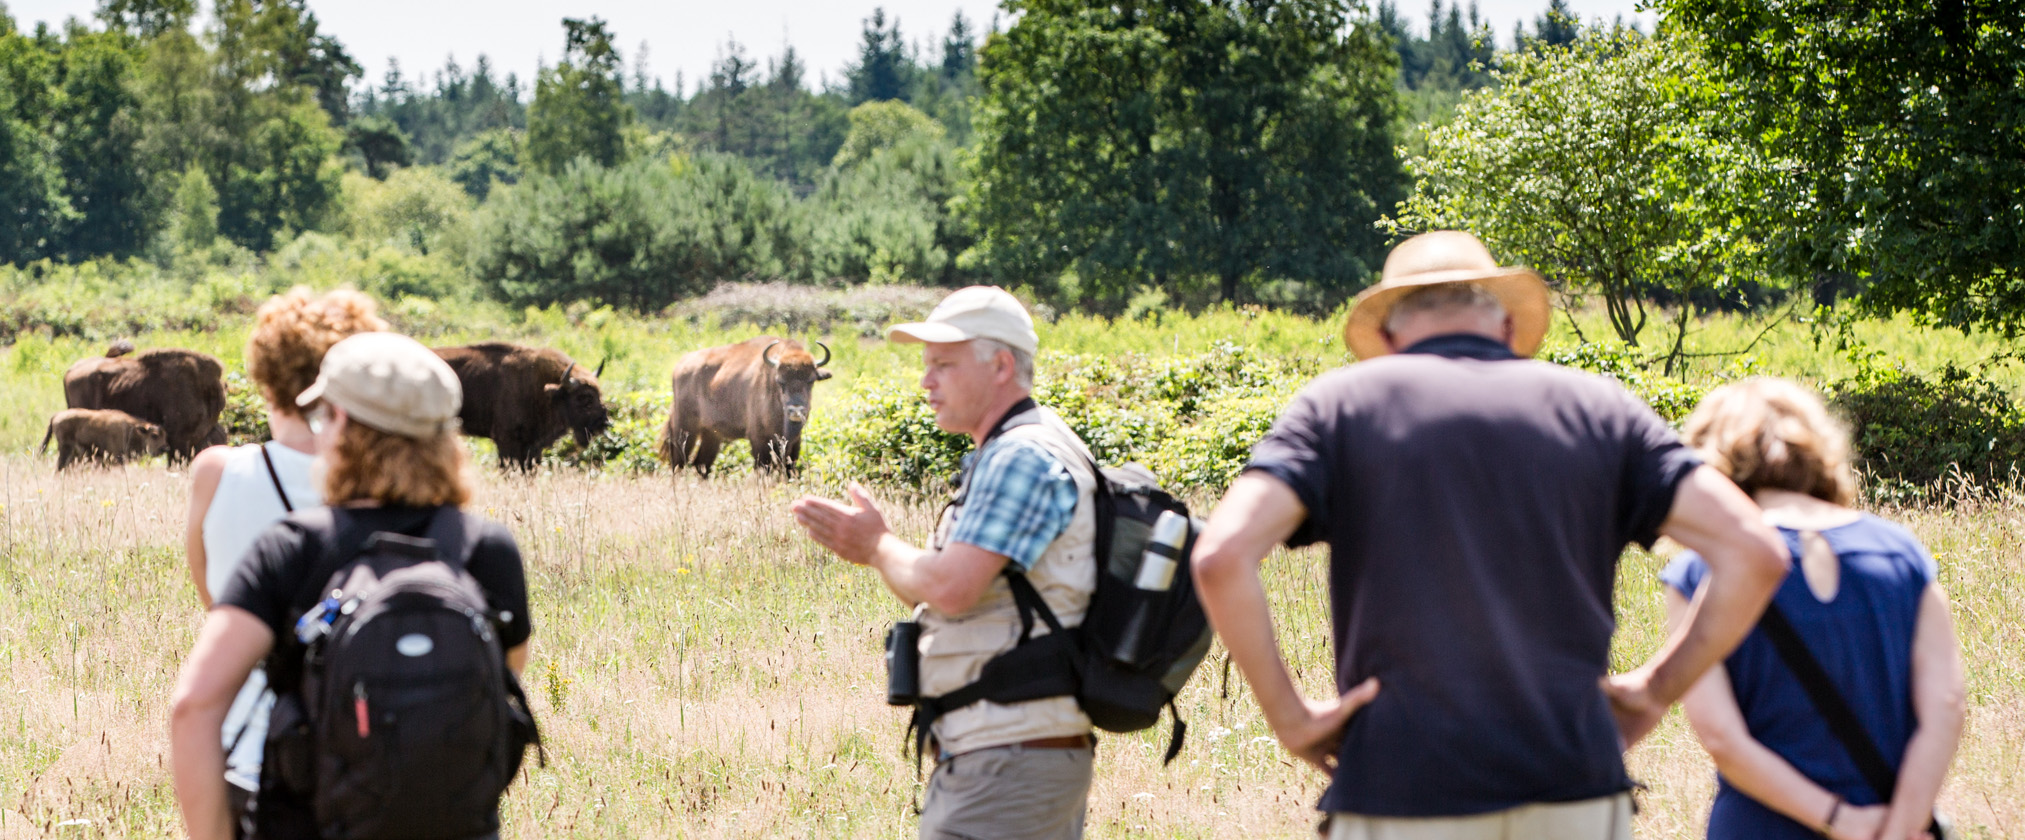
{"points": [[450, 529], [1829, 702]]}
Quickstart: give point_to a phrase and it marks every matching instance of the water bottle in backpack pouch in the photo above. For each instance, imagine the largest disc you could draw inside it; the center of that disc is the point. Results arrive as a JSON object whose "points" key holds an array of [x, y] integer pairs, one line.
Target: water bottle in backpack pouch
{"points": [[1137, 646], [407, 722]]}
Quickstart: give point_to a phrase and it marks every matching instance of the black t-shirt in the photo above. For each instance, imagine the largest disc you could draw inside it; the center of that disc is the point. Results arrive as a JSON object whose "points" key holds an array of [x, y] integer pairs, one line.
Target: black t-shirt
{"points": [[283, 577], [1475, 505], [284, 572]]}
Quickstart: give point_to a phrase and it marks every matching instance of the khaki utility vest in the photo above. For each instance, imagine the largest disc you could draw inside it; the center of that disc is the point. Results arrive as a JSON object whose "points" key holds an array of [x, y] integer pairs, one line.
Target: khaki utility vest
{"points": [[955, 648]]}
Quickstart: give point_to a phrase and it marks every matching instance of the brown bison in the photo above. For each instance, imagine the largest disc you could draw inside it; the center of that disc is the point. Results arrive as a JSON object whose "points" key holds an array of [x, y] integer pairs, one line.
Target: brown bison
{"points": [[758, 390], [103, 436], [183, 391], [525, 398]]}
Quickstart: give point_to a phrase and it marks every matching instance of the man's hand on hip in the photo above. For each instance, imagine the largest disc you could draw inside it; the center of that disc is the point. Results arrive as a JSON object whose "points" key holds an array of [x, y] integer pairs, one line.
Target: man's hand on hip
{"points": [[1316, 735], [851, 530], [1638, 712]]}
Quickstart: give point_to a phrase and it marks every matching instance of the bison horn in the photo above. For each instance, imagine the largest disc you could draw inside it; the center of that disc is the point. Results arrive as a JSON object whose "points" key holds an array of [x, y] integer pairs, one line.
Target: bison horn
{"points": [[826, 354], [601, 367], [767, 354]]}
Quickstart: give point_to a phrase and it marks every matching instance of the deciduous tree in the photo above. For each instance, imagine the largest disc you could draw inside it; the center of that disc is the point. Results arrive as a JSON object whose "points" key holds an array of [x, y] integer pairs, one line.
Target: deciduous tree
{"points": [[1907, 122], [1245, 142], [1606, 166]]}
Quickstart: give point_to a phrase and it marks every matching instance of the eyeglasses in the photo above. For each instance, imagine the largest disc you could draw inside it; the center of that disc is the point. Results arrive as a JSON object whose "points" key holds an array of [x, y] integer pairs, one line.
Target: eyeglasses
{"points": [[318, 418]]}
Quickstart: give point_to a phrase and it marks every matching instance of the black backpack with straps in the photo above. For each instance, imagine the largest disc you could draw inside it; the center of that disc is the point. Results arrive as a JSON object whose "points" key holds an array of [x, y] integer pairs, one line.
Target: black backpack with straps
{"points": [[1119, 693], [404, 720]]}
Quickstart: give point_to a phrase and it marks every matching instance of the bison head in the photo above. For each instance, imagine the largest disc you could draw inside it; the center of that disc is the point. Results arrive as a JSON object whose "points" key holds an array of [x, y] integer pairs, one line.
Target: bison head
{"points": [[796, 373], [152, 438], [579, 403]]}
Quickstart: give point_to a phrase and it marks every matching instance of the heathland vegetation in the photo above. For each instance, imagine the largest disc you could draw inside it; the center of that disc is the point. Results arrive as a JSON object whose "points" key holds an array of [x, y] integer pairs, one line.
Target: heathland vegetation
{"points": [[1186, 197]]}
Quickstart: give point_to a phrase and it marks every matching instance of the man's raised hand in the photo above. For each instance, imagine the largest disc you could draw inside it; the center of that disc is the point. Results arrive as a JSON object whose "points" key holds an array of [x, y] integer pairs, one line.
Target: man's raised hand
{"points": [[851, 530]]}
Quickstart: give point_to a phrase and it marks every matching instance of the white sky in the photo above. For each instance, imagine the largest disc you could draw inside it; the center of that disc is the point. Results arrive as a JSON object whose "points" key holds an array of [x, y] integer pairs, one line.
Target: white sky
{"points": [[682, 35]]}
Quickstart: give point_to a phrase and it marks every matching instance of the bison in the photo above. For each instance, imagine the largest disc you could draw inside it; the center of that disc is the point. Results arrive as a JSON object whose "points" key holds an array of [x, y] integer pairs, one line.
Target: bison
{"points": [[183, 391], [525, 398], [105, 436], [758, 390]]}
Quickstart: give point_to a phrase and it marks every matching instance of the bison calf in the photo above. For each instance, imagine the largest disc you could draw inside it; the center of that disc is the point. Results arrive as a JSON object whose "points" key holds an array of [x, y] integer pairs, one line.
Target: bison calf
{"points": [[759, 390], [101, 435]]}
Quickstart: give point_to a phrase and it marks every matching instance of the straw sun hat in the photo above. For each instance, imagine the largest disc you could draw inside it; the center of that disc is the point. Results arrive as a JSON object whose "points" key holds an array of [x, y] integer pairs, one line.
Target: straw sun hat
{"points": [[1448, 256]]}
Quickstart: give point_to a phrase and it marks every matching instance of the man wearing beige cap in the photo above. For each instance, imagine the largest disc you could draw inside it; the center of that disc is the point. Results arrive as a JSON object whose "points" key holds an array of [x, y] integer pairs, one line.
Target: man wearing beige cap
{"points": [[1020, 770], [1475, 504]]}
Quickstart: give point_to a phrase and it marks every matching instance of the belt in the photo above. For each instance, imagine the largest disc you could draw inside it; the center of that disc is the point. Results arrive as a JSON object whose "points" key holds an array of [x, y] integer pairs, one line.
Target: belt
{"points": [[1059, 742]]}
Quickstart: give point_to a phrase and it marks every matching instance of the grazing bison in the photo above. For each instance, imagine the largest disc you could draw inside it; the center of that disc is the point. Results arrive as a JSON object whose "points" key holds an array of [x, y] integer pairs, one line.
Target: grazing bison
{"points": [[104, 436], [524, 398], [758, 390], [183, 391]]}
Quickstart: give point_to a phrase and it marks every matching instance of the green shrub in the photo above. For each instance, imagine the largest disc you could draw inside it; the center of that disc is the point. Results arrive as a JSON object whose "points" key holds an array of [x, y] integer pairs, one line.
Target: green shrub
{"points": [[245, 415], [1671, 398], [887, 436], [1191, 419], [1912, 431]]}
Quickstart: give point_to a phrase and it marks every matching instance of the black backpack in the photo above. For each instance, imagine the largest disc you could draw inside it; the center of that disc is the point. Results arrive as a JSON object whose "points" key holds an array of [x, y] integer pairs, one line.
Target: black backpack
{"points": [[1117, 695], [406, 722]]}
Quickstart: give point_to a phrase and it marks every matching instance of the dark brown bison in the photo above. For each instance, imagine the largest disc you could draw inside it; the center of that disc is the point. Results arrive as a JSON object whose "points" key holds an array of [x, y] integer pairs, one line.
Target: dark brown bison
{"points": [[183, 391], [103, 436], [758, 390], [525, 398]]}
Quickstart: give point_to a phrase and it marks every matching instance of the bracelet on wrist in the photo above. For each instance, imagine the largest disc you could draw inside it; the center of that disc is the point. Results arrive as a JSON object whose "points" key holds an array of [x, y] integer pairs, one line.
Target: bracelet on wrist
{"points": [[1828, 824]]}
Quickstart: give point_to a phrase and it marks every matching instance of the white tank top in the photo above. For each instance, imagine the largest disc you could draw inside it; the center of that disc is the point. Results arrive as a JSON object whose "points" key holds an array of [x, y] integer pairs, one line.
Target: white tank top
{"points": [[246, 505]]}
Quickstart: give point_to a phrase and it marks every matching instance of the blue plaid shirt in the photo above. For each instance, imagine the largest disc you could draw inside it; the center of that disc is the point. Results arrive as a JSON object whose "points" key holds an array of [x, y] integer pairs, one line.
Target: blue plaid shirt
{"points": [[1019, 499]]}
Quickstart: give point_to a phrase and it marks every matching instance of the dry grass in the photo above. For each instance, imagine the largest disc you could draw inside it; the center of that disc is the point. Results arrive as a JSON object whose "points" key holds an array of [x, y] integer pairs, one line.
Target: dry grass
{"points": [[703, 671]]}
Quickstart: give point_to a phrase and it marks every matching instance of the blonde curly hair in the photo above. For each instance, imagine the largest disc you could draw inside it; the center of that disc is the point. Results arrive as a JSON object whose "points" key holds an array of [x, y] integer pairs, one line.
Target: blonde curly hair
{"points": [[1768, 433], [291, 334]]}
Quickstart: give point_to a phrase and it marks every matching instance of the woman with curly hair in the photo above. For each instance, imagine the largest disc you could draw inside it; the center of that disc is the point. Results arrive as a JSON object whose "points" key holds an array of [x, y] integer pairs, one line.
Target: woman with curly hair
{"points": [[383, 417], [1862, 599], [237, 492]]}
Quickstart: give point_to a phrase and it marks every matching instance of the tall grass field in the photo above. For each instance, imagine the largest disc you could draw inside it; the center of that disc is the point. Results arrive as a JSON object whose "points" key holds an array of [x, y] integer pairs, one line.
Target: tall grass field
{"points": [[700, 669]]}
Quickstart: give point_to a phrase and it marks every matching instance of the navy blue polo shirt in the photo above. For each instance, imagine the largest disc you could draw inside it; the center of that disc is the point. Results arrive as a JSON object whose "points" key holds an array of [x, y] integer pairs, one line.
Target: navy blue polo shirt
{"points": [[1475, 505]]}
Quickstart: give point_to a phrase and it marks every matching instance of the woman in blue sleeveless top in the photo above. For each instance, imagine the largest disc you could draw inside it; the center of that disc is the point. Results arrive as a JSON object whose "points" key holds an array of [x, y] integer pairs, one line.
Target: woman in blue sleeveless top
{"points": [[1863, 598]]}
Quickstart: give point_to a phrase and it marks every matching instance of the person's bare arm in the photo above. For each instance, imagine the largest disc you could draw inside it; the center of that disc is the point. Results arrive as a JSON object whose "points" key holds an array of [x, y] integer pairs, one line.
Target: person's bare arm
{"points": [[231, 642], [1938, 708], [1258, 513], [1746, 560], [949, 581], [1754, 769], [516, 657], [205, 470]]}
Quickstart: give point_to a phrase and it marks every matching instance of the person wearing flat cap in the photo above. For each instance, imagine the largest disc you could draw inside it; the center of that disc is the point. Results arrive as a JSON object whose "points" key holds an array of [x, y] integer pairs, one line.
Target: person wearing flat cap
{"points": [[1024, 501], [383, 412], [1475, 503]]}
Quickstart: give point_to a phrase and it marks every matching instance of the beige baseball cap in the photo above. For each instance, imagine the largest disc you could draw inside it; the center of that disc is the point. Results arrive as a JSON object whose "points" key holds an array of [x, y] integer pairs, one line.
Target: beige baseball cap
{"points": [[972, 313], [389, 382]]}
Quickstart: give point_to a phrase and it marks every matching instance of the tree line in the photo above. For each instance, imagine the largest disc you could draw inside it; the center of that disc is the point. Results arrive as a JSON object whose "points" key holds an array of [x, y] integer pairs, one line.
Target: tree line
{"points": [[1097, 154]]}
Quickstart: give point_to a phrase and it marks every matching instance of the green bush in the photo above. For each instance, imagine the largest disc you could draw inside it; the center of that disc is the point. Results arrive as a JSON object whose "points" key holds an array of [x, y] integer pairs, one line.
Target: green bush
{"points": [[1671, 398], [245, 415], [1912, 431], [1191, 419]]}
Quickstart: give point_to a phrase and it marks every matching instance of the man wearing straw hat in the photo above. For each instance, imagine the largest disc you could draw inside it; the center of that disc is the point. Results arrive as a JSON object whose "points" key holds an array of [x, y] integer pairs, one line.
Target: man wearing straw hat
{"points": [[1475, 504]]}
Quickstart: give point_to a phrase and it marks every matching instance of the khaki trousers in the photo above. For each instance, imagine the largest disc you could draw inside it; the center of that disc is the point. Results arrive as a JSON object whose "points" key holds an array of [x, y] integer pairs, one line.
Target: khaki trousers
{"points": [[1605, 818], [1008, 793]]}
